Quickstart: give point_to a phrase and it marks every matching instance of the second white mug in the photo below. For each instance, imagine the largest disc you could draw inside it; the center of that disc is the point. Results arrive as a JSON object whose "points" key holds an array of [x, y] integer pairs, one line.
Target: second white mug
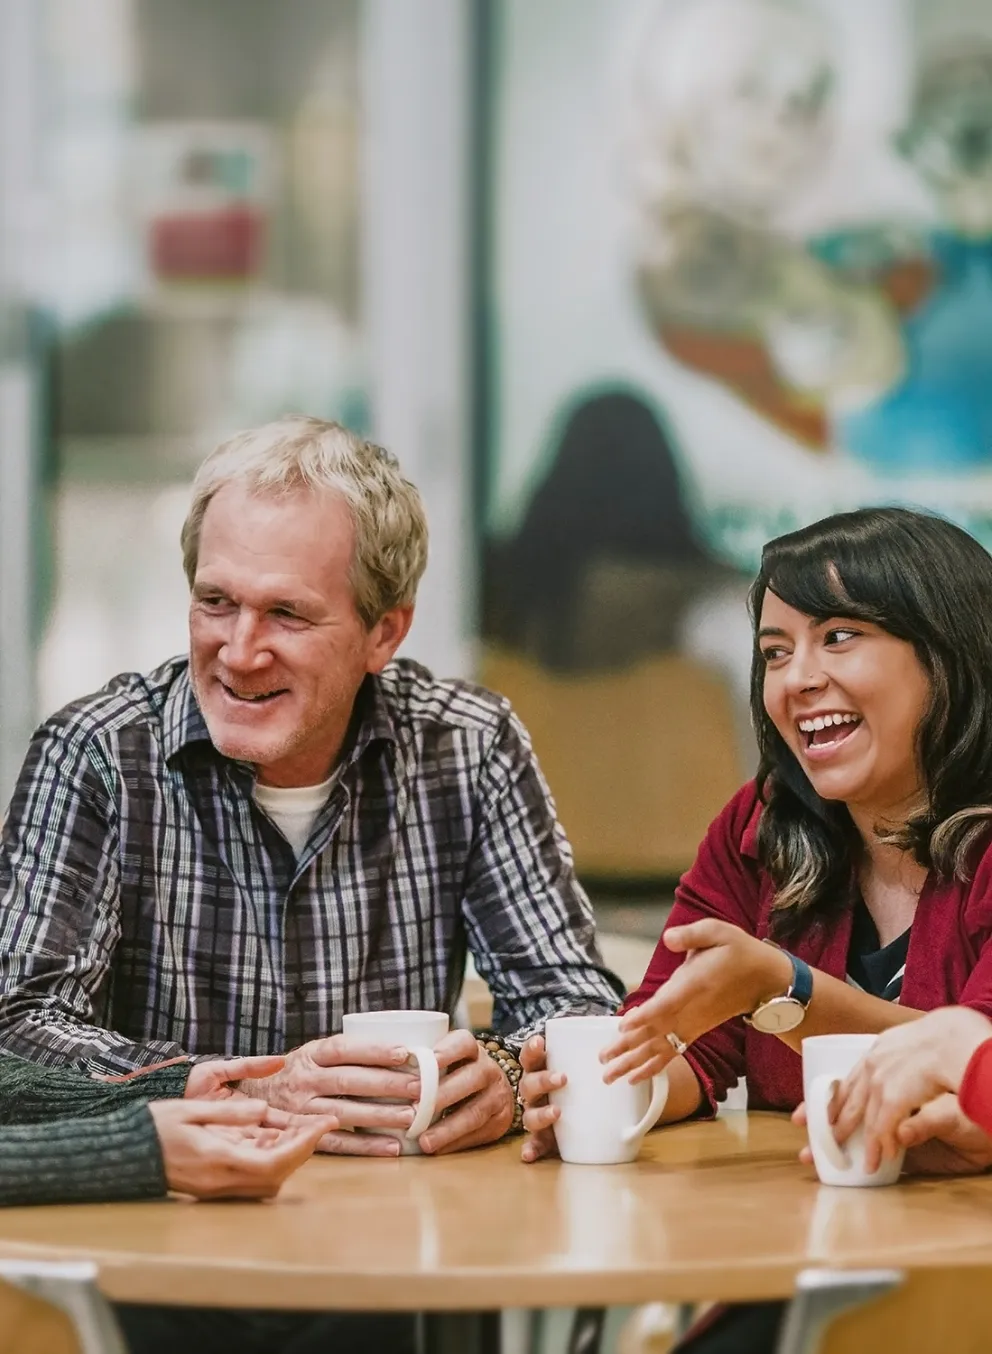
{"points": [[599, 1124]]}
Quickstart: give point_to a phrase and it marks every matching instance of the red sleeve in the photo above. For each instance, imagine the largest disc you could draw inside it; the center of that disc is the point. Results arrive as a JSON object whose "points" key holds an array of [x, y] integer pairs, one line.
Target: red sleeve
{"points": [[975, 1095], [973, 943], [723, 883]]}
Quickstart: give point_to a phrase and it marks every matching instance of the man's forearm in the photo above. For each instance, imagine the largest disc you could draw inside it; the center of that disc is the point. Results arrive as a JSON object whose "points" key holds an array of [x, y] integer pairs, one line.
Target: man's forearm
{"points": [[41, 1033]]}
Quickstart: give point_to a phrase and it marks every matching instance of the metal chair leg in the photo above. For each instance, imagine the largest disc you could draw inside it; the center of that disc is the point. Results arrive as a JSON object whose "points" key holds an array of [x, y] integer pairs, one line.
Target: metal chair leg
{"points": [[71, 1287], [459, 1333], [824, 1294], [684, 1314], [587, 1330]]}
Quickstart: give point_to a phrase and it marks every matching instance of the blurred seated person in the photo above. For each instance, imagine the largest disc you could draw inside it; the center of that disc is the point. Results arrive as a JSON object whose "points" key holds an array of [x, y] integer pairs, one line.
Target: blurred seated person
{"points": [[862, 850]]}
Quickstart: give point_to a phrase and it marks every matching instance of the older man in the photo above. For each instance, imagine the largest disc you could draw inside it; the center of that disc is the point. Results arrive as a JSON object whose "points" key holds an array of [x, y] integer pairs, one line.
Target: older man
{"points": [[228, 854]]}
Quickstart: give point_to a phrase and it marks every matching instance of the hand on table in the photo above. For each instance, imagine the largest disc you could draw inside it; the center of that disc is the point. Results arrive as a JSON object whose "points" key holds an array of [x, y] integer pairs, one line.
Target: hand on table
{"points": [[939, 1140], [907, 1067], [321, 1077], [220, 1078], [474, 1093], [942, 1140], [234, 1148], [726, 973], [539, 1114]]}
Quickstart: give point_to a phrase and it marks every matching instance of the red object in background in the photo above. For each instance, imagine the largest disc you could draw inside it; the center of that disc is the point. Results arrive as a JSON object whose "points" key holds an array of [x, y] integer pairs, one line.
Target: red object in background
{"points": [[975, 1094], [225, 243]]}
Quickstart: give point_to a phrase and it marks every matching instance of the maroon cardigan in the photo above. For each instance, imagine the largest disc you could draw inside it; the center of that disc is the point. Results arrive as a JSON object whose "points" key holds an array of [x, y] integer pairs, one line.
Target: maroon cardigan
{"points": [[949, 961]]}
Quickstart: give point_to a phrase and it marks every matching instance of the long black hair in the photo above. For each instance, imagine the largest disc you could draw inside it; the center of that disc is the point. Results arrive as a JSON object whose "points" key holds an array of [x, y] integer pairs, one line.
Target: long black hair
{"points": [[926, 581]]}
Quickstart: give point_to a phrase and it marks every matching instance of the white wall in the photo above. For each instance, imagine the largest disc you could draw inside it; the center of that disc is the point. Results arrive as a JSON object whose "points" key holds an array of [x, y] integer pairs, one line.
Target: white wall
{"points": [[415, 287]]}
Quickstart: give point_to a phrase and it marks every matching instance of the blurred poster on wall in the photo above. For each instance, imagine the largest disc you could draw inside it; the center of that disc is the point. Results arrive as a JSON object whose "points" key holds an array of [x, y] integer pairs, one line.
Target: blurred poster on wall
{"points": [[742, 274], [205, 195]]}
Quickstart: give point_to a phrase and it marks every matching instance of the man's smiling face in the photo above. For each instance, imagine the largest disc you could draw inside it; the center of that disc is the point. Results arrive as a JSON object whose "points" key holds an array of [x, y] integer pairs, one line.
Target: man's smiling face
{"points": [[278, 650]]}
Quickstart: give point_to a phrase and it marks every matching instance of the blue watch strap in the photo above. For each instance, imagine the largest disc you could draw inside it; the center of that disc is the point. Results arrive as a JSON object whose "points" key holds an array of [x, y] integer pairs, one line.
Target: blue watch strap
{"points": [[802, 980]]}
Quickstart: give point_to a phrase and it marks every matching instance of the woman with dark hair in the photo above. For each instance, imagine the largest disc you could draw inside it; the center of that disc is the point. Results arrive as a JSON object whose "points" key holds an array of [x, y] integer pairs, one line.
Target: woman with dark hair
{"points": [[848, 888]]}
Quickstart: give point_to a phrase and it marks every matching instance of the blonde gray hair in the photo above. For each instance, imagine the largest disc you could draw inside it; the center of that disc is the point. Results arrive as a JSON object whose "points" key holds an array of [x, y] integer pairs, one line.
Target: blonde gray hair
{"points": [[298, 452]]}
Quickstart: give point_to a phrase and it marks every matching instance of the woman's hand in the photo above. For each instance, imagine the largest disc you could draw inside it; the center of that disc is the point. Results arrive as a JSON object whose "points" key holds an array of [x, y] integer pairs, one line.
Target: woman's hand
{"points": [[234, 1148], [539, 1115], [215, 1079], [726, 973], [219, 1078], [942, 1140], [907, 1067]]}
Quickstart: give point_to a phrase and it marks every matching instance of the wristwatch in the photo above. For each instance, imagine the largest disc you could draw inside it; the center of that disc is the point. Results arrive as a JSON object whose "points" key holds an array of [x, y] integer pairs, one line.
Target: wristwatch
{"points": [[778, 1015]]}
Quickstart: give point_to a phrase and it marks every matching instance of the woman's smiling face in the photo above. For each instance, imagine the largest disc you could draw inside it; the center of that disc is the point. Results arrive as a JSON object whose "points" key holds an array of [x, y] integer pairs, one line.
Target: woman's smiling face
{"points": [[847, 698]]}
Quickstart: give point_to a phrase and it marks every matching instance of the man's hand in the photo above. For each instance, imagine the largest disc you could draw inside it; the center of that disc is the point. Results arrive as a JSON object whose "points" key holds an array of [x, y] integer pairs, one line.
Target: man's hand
{"points": [[942, 1140], [539, 1115], [234, 1148], [345, 1078], [220, 1078], [475, 1094]]}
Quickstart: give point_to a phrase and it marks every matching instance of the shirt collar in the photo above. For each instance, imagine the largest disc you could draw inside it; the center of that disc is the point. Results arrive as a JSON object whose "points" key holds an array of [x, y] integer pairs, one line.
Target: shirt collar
{"points": [[184, 725], [182, 721]]}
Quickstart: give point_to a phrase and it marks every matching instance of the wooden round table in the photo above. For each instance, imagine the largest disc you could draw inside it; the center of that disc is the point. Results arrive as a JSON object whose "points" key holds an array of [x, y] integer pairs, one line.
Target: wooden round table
{"points": [[720, 1210]]}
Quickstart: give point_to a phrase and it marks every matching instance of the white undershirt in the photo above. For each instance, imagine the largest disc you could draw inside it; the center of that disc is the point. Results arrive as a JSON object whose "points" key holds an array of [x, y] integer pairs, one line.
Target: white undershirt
{"points": [[294, 811]]}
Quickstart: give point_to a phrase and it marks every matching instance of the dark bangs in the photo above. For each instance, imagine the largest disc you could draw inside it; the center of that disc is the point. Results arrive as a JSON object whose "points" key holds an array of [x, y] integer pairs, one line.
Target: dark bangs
{"points": [[927, 582]]}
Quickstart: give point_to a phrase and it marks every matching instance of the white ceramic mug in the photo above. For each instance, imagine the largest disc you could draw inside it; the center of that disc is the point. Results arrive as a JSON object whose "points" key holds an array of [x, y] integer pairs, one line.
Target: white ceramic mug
{"points": [[419, 1032], [599, 1124], [827, 1060]]}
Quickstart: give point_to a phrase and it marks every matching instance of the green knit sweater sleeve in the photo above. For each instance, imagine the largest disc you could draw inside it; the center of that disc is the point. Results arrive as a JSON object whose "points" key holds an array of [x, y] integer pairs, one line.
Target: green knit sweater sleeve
{"points": [[34, 1093], [108, 1156], [65, 1138]]}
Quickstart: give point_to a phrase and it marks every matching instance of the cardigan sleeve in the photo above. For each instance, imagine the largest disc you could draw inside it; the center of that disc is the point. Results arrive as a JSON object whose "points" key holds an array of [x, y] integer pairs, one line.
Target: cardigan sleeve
{"points": [[109, 1156], [722, 883], [34, 1093], [971, 942]]}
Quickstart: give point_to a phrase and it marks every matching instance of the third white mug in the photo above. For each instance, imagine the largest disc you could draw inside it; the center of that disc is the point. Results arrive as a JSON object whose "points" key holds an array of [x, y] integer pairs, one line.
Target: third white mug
{"points": [[827, 1059]]}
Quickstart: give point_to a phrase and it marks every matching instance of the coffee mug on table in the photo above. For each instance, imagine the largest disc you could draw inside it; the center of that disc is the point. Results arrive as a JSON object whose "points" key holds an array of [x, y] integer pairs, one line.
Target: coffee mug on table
{"points": [[419, 1032], [827, 1060], [599, 1124]]}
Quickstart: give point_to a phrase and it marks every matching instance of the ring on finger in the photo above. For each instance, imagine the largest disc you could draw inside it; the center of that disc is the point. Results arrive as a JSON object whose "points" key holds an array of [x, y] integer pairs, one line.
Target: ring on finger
{"points": [[679, 1045]]}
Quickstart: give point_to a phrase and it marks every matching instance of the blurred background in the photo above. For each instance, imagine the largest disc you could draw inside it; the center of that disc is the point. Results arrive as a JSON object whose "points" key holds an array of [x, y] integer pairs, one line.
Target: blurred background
{"points": [[629, 286]]}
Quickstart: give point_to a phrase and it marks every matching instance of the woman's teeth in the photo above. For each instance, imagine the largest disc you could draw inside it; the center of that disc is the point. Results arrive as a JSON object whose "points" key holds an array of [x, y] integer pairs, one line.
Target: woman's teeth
{"points": [[822, 730], [826, 721]]}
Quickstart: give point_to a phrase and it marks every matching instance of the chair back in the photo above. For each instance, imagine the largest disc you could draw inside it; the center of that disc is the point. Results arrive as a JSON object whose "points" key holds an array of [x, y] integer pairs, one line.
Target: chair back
{"points": [[53, 1308]]}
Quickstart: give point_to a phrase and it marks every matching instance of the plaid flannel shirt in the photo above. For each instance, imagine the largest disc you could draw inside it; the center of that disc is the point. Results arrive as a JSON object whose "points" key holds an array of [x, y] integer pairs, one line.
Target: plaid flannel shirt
{"points": [[149, 907]]}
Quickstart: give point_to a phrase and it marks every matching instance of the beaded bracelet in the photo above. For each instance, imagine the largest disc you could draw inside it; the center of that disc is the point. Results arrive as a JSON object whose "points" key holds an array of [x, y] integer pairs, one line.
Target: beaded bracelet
{"points": [[508, 1063]]}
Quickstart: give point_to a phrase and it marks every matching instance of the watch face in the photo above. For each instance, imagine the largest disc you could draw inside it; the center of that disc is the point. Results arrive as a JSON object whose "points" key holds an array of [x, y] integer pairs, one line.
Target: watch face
{"points": [[778, 1016]]}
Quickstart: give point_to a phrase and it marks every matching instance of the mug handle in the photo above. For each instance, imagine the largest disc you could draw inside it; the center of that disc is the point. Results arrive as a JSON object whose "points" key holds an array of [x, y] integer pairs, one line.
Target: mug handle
{"points": [[659, 1095], [821, 1135], [430, 1077]]}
